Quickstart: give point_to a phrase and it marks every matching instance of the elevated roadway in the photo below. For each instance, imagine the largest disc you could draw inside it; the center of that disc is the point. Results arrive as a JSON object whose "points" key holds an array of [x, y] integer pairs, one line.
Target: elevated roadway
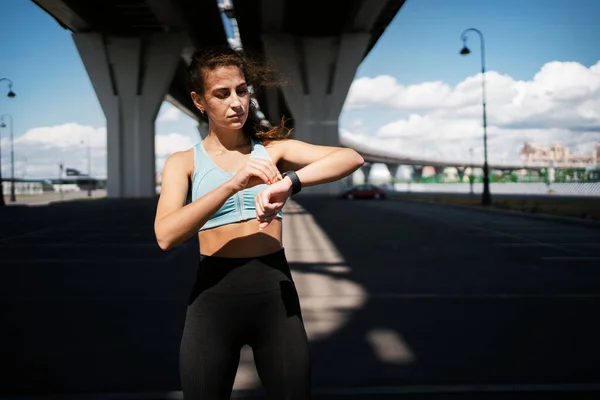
{"points": [[379, 156]]}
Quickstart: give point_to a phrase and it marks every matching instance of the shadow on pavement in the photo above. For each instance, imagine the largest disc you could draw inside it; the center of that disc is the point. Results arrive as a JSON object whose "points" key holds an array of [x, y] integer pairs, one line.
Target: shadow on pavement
{"points": [[437, 312], [89, 304]]}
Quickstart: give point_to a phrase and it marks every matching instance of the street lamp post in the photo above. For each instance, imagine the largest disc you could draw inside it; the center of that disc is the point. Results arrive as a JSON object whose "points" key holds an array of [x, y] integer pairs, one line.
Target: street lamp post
{"points": [[10, 94], [486, 197], [12, 155]]}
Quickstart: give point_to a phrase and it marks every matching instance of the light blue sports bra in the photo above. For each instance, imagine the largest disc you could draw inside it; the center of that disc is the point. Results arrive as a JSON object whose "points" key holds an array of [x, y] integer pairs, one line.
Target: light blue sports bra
{"points": [[208, 176]]}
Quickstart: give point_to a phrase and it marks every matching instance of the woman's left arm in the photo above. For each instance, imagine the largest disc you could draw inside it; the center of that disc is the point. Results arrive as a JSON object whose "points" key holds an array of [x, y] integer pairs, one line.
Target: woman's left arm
{"points": [[317, 164], [313, 164]]}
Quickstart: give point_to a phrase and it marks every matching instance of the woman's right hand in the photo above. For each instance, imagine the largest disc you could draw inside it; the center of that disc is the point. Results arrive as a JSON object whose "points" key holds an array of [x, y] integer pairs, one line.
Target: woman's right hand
{"points": [[255, 172]]}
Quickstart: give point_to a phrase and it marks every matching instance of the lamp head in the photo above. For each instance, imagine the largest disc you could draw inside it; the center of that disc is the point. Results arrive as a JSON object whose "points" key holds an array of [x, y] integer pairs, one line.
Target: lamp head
{"points": [[3, 125], [11, 94], [465, 50]]}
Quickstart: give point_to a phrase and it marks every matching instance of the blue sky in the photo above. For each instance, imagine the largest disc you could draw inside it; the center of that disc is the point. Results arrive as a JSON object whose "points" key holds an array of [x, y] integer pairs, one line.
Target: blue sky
{"points": [[423, 41], [420, 46]]}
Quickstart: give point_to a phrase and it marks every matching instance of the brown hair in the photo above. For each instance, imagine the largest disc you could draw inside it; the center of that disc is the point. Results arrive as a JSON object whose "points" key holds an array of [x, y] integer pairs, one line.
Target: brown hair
{"points": [[258, 75]]}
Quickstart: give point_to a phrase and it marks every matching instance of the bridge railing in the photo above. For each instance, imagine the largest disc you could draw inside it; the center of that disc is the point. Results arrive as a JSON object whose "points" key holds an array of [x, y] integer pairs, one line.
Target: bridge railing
{"points": [[532, 188]]}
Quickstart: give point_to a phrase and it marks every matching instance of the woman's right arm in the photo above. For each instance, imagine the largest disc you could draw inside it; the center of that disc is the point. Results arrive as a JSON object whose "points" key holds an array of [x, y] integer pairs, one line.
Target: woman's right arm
{"points": [[175, 221]]}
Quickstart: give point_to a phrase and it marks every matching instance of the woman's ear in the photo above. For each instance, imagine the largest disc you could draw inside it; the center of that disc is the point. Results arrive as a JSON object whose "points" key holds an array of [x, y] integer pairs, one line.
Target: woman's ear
{"points": [[197, 101]]}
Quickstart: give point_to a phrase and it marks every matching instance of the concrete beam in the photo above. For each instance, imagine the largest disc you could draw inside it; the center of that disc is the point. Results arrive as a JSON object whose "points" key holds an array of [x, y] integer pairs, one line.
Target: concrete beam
{"points": [[393, 169], [181, 107], [366, 170], [168, 13], [417, 172], [131, 77], [319, 73], [461, 172], [367, 15], [351, 48], [272, 12], [272, 106], [63, 14]]}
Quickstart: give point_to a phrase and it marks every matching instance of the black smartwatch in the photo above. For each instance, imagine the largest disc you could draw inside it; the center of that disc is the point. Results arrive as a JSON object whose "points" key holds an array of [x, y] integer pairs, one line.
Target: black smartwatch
{"points": [[296, 185]]}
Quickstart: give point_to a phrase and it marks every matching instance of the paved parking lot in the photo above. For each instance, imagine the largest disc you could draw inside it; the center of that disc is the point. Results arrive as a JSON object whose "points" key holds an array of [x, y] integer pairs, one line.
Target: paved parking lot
{"points": [[400, 299]]}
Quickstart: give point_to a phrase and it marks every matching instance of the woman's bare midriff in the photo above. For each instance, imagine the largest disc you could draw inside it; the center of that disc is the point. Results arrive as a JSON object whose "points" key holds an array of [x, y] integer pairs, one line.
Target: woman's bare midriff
{"points": [[242, 239]]}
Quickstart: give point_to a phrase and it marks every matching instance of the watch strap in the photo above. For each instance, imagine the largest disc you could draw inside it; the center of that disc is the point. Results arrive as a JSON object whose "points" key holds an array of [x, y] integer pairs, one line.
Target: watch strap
{"points": [[296, 184]]}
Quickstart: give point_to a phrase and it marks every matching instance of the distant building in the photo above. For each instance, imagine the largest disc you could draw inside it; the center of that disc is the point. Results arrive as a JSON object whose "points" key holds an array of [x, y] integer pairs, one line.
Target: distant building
{"points": [[557, 153]]}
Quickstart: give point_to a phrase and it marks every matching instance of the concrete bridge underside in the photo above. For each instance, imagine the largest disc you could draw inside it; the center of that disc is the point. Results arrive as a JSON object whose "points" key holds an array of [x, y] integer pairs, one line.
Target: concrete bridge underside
{"points": [[136, 52]]}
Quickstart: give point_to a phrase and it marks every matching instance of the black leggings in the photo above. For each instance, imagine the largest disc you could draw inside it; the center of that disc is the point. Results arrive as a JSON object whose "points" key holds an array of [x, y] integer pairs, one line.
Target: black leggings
{"points": [[237, 302]]}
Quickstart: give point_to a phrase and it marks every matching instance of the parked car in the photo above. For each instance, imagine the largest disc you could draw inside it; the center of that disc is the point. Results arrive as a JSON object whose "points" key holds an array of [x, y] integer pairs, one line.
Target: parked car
{"points": [[366, 191]]}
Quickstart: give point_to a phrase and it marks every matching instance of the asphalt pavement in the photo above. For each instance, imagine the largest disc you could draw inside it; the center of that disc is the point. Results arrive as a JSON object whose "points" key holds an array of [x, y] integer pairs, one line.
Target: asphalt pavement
{"points": [[400, 299]]}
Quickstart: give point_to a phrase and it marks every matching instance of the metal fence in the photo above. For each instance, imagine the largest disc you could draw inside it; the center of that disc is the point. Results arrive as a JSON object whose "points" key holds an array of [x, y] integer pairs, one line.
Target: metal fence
{"points": [[533, 188]]}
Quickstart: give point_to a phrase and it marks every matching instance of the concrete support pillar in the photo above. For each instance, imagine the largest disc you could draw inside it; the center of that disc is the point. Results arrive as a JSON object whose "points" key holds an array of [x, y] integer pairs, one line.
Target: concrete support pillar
{"points": [[348, 181], [272, 106], [319, 73], [461, 173], [417, 172], [366, 170], [131, 76], [438, 173], [393, 168]]}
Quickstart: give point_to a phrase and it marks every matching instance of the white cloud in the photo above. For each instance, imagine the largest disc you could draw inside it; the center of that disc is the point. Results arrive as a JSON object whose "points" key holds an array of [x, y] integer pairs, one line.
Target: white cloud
{"points": [[170, 143], [551, 97], [167, 144], [561, 103], [39, 151], [378, 91], [63, 137], [357, 123], [168, 113], [416, 125]]}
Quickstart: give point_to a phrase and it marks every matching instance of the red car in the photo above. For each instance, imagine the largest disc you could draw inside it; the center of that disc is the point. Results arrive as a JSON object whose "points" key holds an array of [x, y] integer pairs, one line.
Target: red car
{"points": [[366, 191]]}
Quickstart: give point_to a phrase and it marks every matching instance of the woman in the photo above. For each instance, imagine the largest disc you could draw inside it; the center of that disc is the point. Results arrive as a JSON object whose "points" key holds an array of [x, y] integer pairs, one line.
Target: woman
{"points": [[240, 177]]}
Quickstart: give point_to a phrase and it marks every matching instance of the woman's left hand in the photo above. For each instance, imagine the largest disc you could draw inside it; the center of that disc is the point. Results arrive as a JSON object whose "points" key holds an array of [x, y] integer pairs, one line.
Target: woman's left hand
{"points": [[271, 200]]}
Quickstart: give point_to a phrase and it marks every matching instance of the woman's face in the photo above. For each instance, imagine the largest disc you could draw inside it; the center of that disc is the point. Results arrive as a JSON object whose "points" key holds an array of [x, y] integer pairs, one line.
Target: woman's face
{"points": [[226, 99]]}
